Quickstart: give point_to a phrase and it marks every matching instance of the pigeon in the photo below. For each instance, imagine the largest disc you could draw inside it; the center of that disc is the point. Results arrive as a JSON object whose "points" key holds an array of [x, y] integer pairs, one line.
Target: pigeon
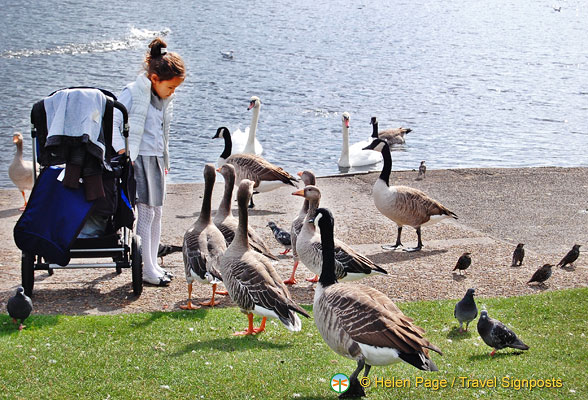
{"points": [[518, 255], [167, 249], [466, 310], [422, 171], [281, 236], [570, 257], [497, 335], [19, 307], [542, 274], [463, 262]]}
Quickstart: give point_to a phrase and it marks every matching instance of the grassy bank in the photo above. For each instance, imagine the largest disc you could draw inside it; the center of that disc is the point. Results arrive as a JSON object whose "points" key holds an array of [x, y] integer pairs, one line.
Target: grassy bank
{"points": [[193, 355]]}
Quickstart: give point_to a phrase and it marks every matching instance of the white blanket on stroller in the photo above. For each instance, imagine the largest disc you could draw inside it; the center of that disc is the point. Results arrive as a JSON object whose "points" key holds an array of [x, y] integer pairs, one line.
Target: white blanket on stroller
{"points": [[76, 112]]}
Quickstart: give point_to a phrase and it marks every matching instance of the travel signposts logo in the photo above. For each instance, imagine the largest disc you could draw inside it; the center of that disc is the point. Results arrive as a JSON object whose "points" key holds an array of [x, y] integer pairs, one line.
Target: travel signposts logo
{"points": [[340, 383]]}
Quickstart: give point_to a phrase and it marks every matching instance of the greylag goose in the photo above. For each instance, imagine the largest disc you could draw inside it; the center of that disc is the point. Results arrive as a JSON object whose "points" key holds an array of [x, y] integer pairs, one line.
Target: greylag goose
{"points": [[349, 265], [265, 175], [225, 221], [308, 178], [391, 136], [20, 170], [402, 204], [360, 322], [246, 142], [252, 281], [203, 246], [354, 156]]}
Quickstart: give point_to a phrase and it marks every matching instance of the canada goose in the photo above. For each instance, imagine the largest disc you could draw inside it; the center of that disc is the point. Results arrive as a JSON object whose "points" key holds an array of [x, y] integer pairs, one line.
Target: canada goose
{"points": [[225, 221], [20, 170], [203, 246], [349, 265], [360, 322], [402, 204], [308, 178], [246, 141], [265, 175], [251, 280], [391, 136], [353, 156]]}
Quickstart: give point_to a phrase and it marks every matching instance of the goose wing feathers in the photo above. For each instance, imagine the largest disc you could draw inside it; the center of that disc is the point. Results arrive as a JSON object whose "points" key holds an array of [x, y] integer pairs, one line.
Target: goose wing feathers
{"points": [[201, 253], [255, 282], [352, 261], [369, 317], [257, 169], [415, 202]]}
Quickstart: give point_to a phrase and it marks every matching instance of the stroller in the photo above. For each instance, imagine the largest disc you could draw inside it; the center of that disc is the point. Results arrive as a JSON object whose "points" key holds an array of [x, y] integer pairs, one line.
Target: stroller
{"points": [[85, 209]]}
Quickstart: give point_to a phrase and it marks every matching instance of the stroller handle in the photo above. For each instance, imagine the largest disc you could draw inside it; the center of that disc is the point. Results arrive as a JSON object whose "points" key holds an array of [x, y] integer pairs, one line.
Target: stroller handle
{"points": [[125, 114]]}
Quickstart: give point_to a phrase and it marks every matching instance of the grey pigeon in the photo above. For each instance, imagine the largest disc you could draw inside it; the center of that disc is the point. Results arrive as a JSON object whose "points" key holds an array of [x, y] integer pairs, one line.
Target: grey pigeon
{"points": [[463, 262], [466, 310], [542, 274], [497, 335], [518, 255], [570, 257], [19, 307], [283, 237], [422, 171]]}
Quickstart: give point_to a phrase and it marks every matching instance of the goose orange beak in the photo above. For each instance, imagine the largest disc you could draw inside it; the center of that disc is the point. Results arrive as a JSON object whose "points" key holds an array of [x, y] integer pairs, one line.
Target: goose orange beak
{"points": [[299, 193], [299, 173]]}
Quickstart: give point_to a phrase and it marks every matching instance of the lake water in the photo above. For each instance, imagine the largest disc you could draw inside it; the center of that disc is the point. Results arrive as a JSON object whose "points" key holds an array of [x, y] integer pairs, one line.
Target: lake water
{"points": [[481, 84]]}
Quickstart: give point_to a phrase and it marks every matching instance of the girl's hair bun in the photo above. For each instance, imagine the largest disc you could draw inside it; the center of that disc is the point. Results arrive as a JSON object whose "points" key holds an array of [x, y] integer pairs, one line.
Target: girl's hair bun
{"points": [[156, 46]]}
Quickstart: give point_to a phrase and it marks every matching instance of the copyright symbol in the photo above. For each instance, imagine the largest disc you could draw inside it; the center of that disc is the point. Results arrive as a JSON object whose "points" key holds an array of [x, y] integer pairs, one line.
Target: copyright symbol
{"points": [[365, 381]]}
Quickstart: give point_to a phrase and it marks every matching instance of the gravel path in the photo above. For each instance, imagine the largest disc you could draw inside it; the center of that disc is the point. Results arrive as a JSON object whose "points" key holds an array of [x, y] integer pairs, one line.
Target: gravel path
{"points": [[545, 208]]}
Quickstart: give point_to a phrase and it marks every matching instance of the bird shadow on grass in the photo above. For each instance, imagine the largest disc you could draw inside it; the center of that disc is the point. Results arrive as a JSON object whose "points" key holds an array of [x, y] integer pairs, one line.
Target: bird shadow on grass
{"points": [[454, 334], [485, 356], [10, 212], [32, 323], [230, 344], [191, 315], [390, 256], [539, 287]]}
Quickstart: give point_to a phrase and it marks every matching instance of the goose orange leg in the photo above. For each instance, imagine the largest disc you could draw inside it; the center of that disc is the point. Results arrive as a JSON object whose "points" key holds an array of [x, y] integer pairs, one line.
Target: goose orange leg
{"points": [[286, 251], [25, 201], [292, 279], [250, 329], [313, 280], [213, 303], [189, 305]]}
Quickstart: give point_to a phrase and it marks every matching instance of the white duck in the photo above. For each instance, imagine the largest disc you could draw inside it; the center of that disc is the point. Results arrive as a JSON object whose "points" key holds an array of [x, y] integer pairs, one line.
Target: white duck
{"points": [[246, 142], [350, 265], [402, 204], [251, 280], [20, 170], [360, 322], [265, 175], [308, 178], [354, 156], [204, 244]]}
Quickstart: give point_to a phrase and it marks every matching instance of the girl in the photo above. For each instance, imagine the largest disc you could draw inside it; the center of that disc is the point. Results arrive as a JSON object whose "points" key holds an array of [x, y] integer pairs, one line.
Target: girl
{"points": [[149, 102]]}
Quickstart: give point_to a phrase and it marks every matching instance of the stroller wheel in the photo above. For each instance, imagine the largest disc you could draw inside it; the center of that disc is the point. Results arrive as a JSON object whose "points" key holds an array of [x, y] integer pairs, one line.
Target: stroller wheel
{"points": [[136, 265], [28, 273]]}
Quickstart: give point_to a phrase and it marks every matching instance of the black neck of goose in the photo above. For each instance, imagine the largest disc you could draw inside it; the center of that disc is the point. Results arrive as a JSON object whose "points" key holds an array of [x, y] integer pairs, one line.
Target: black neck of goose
{"points": [[375, 130], [228, 145], [206, 200], [228, 194], [387, 168], [328, 276], [242, 231]]}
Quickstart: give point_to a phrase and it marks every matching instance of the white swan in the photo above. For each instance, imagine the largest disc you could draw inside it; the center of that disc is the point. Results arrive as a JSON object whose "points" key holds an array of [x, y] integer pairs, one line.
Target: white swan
{"points": [[354, 156], [246, 142]]}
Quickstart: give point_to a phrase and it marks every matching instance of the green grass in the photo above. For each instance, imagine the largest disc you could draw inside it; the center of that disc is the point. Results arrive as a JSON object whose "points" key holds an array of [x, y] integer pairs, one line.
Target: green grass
{"points": [[193, 355]]}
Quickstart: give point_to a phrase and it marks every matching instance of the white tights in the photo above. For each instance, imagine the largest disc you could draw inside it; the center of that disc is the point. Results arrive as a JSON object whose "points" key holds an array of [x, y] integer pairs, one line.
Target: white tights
{"points": [[149, 229]]}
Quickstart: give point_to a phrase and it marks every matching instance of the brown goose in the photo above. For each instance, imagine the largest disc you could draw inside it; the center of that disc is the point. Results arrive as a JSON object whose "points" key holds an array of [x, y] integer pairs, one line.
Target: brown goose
{"points": [[203, 246], [225, 221], [402, 204], [360, 322], [308, 178], [265, 175], [349, 264], [391, 136], [251, 280], [20, 170]]}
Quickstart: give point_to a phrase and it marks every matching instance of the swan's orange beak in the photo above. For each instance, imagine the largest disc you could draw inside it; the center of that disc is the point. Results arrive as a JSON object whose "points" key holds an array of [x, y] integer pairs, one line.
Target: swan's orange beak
{"points": [[299, 193]]}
